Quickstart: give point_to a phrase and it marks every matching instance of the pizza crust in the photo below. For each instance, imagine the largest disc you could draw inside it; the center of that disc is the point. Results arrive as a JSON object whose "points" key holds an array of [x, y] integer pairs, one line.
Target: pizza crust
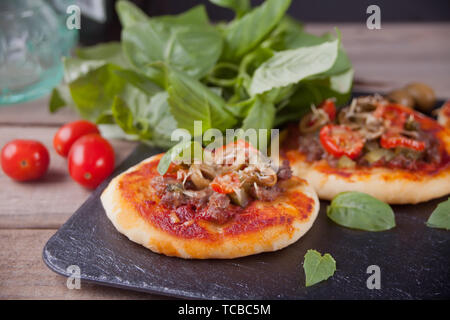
{"points": [[388, 185], [130, 222]]}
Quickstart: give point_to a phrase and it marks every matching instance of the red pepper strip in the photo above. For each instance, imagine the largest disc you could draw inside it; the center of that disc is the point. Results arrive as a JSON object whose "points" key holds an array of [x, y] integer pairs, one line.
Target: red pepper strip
{"points": [[339, 140], [390, 141]]}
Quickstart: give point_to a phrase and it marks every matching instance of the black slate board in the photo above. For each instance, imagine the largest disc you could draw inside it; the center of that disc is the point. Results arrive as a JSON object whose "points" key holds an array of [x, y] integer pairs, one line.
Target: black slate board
{"points": [[414, 260]]}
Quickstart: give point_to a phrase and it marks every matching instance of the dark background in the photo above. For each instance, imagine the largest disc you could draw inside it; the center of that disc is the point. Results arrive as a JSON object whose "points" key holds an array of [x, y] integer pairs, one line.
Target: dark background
{"points": [[304, 10], [324, 10]]}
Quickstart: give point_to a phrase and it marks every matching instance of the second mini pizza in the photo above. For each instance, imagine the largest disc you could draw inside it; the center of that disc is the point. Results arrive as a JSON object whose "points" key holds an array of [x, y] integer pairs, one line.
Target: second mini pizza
{"points": [[374, 146]]}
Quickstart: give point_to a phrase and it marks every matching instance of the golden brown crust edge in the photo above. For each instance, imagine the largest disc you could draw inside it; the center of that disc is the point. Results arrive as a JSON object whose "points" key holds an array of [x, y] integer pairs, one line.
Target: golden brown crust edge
{"points": [[130, 223], [384, 184]]}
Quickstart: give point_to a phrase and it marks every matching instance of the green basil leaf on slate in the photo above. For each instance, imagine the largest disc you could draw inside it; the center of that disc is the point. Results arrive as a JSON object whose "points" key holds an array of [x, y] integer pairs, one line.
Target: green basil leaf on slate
{"points": [[440, 218], [317, 267], [359, 210]]}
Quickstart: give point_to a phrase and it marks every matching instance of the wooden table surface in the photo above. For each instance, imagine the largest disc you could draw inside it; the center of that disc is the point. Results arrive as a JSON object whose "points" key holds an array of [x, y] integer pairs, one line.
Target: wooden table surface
{"points": [[32, 212]]}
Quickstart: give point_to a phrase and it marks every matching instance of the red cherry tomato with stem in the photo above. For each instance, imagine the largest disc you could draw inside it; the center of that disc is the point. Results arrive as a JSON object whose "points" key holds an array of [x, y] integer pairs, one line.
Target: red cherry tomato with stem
{"points": [[91, 160], [25, 160], [71, 132]]}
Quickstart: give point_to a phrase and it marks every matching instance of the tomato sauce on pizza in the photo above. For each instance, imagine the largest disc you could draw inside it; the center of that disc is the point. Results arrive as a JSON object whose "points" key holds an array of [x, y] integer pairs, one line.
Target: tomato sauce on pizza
{"points": [[194, 201]]}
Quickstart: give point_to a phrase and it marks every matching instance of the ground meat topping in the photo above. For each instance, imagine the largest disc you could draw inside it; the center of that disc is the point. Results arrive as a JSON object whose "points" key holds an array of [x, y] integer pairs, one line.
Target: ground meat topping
{"points": [[217, 192], [365, 115], [215, 210], [310, 145], [284, 171], [265, 193]]}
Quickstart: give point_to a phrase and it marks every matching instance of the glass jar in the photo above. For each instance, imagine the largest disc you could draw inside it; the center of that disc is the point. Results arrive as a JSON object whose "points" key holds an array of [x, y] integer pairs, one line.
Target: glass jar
{"points": [[33, 39]]}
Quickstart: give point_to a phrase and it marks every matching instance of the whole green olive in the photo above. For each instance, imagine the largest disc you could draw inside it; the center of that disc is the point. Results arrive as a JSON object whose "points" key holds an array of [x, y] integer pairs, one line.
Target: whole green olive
{"points": [[401, 96], [423, 95]]}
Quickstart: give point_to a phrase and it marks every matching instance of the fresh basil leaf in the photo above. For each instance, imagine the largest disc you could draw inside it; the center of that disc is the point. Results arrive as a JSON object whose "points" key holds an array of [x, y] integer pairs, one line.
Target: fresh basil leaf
{"points": [[190, 100], [260, 116], [244, 34], [304, 39], [277, 38], [75, 68], [341, 65], [161, 120], [223, 74], [249, 63], [178, 152], [129, 13], [108, 52], [59, 98], [140, 81], [295, 40], [240, 109], [106, 117], [313, 92], [123, 116], [359, 210], [290, 66], [440, 218], [299, 103], [94, 92], [196, 16], [193, 49], [240, 7], [142, 117], [317, 267], [342, 83]]}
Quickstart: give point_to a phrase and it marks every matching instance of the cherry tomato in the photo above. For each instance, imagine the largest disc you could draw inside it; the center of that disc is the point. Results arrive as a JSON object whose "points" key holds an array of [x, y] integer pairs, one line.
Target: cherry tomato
{"points": [[395, 116], [389, 141], [91, 160], [340, 141], [25, 160], [226, 183], [329, 107], [71, 132]]}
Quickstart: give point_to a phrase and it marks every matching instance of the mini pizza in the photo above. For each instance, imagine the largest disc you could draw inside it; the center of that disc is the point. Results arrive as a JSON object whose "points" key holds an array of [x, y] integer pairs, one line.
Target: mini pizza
{"points": [[216, 209], [386, 150], [443, 114]]}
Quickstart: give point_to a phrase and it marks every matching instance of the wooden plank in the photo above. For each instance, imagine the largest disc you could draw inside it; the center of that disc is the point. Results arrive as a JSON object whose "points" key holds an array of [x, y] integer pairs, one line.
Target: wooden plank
{"points": [[23, 274], [397, 54], [35, 113], [46, 203]]}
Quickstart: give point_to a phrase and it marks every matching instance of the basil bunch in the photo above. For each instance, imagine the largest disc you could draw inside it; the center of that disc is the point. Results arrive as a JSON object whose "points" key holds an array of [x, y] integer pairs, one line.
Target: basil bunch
{"points": [[257, 71]]}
